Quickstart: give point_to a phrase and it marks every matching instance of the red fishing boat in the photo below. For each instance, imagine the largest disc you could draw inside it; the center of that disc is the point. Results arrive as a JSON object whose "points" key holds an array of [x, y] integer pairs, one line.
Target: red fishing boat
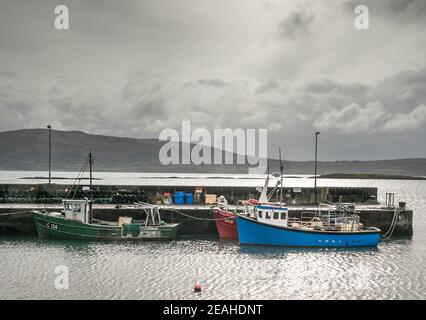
{"points": [[225, 223], [225, 217]]}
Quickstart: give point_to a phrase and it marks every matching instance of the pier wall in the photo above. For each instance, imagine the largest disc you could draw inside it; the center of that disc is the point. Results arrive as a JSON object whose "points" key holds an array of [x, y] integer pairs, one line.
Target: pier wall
{"points": [[107, 194]]}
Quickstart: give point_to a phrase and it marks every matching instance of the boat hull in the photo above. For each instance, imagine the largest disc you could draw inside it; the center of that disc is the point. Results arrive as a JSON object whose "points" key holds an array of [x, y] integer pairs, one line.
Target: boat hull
{"points": [[59, 228], [256, 233], [226, 224]]}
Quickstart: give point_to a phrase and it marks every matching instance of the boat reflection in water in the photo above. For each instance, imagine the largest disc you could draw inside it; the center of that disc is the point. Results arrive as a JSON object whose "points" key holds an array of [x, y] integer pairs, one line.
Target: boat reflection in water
{"points": [[278, 251]]}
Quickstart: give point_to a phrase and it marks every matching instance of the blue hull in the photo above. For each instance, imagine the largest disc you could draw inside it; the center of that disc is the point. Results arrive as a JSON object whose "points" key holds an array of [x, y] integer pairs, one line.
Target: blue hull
{"points": [[253, 232]]}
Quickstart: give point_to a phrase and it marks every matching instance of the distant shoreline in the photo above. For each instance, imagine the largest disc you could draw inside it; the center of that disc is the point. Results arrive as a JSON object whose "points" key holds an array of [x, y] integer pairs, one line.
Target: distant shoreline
{"points": [[369, 176], [361, 176], [27, 150], [57, 178]]}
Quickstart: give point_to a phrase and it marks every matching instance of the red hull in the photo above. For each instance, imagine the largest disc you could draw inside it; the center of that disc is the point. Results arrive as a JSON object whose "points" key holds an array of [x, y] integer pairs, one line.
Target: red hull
{"points": [[227, 228]]}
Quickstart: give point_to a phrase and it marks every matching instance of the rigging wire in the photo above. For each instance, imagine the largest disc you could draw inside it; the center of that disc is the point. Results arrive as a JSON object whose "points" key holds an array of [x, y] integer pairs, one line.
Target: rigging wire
{"points": [[78, 178]]}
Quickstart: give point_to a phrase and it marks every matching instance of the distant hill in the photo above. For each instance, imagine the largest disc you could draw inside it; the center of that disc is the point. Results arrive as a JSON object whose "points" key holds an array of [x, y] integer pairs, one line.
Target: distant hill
{"points": [[401, 167], [28, 150]]}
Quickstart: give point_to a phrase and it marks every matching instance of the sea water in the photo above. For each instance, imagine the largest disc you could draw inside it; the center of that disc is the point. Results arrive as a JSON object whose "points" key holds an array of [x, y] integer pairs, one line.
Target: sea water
{"points": [[225, 270]]}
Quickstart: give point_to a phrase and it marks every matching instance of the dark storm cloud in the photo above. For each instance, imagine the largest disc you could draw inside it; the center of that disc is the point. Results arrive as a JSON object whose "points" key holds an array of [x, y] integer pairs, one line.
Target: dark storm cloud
{"points": [[394, 104], [390, 8], [326, 86], [133, 68], [214, 82], [7, 74], [296, 23], [407, 78], [285, 110], [268, 85]]}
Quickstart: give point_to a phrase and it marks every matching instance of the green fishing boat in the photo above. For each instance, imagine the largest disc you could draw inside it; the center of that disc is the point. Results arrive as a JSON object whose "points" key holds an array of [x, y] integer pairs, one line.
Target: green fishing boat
{"points": [[76, 221]]}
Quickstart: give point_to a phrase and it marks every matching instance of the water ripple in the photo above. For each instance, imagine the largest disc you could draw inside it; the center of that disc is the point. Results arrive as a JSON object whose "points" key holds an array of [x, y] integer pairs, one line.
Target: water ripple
{"points": [[226, 270]]}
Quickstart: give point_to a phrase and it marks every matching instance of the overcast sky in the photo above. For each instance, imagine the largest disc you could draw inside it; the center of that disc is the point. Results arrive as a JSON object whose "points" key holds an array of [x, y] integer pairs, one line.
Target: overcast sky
{"points": [[132, 68]]}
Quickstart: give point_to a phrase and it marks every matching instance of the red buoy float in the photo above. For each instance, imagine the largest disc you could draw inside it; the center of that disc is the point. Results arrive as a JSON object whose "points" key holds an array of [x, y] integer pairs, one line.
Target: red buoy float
{"points": [[197, 287]]}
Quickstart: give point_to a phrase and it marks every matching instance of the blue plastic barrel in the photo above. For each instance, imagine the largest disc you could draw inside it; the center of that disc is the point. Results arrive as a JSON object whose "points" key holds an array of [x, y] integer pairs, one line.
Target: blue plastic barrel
{"points": [[188, 198], [178, 197]]}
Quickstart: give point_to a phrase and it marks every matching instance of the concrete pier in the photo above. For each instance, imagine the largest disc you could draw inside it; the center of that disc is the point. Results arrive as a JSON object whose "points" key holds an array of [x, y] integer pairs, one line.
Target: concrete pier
{"points": [[16, 219], [119, 194]]}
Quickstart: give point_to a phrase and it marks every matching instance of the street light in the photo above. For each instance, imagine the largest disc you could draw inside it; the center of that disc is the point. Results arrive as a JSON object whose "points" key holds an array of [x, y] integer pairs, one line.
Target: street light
{"points": [[316, 158], [50, 157]]}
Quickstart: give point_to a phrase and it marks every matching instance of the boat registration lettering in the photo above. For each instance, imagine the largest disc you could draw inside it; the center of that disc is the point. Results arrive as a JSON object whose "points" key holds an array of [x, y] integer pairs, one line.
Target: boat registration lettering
{"points": [[52, 226], [151, 234]]}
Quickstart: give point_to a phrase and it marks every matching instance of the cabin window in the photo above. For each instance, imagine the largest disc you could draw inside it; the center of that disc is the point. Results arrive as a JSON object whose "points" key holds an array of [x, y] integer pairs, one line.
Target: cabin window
{"points": [[267, 215], [283, 214], [260, 214], [276, 215]]}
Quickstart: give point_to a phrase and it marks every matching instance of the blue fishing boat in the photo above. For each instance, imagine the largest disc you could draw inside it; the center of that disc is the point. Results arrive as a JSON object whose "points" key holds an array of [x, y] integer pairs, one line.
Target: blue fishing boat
{"points": [[332, 225], [329, 226]]}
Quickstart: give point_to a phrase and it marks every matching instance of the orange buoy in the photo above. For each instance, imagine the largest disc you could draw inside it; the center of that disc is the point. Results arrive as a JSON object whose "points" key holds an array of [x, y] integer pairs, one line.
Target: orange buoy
{"points": [[197, 287]]}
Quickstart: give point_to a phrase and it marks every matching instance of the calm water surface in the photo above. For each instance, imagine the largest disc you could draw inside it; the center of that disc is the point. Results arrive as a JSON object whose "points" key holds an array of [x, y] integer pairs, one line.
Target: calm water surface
{"points": [[226, 270]]}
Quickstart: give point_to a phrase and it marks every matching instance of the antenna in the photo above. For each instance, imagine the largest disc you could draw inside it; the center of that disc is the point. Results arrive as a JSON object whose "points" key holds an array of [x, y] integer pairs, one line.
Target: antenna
{"points": [[282, 172]]}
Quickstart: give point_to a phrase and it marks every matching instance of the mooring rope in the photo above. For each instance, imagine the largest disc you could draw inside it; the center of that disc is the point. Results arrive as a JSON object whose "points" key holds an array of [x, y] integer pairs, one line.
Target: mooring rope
{"points": [[12, 213], [196, 218], [391, 229]]}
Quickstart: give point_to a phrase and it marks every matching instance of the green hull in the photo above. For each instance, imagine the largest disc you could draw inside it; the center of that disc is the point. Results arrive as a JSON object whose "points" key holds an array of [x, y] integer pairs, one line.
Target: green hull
{"points": [[60, 228]]}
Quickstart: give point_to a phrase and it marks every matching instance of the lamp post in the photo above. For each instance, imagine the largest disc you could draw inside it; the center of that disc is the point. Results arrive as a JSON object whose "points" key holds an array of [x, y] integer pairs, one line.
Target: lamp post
{"points": [[316, 158], [50, 157]]}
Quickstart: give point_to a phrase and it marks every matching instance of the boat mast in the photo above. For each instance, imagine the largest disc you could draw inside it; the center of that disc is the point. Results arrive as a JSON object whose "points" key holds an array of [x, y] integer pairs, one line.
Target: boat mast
{"points": [[282, 173], [90, 172], [91, 192]]}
